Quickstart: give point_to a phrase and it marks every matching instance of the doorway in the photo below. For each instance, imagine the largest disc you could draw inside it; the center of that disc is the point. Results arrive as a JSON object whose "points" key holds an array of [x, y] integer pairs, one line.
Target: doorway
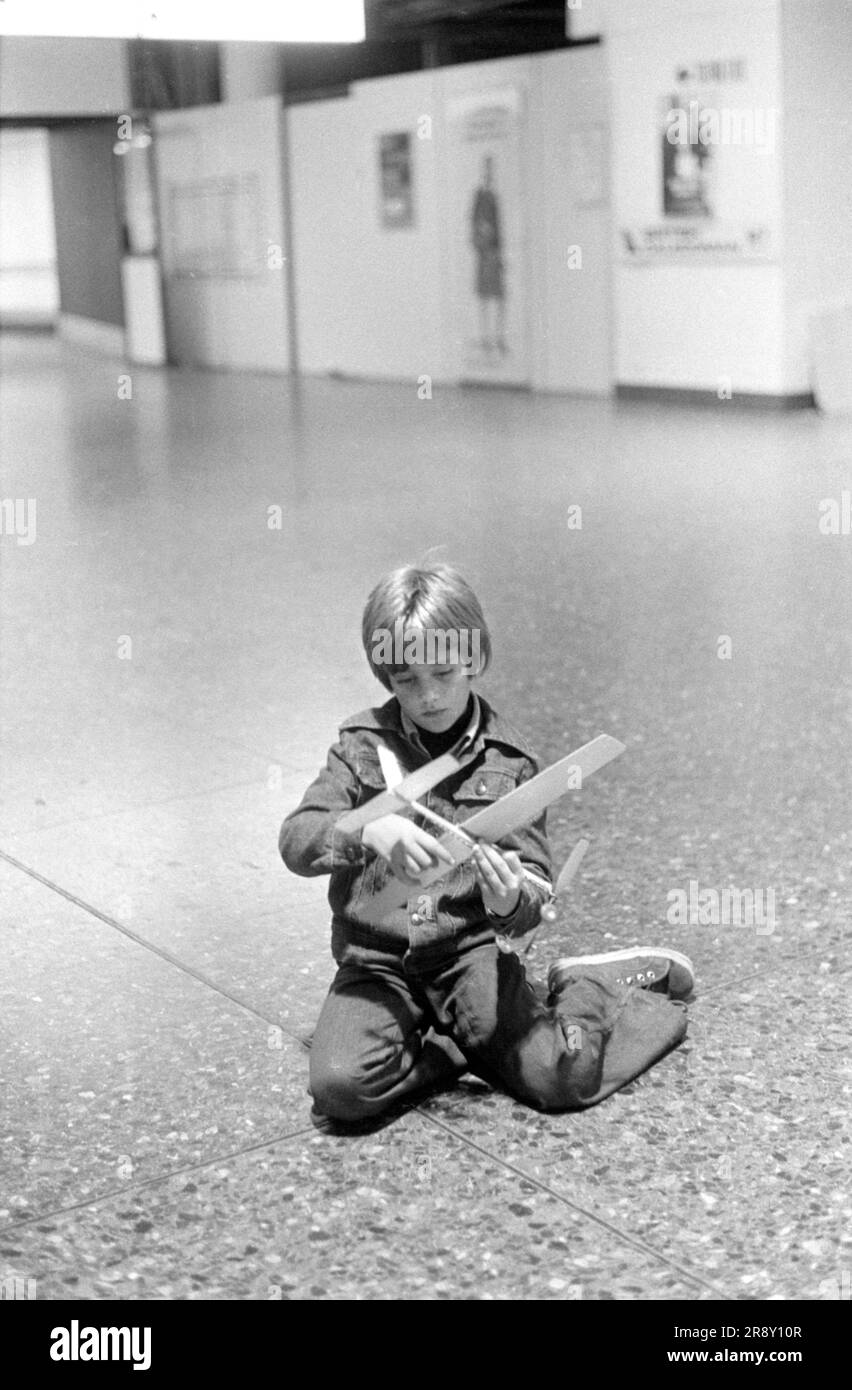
{"points": [[29, 281]]}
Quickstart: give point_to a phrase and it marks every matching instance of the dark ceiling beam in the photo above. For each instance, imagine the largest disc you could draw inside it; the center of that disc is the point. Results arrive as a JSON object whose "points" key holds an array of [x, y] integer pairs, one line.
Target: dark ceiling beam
{"points": [[405, 14], [387, 19]]}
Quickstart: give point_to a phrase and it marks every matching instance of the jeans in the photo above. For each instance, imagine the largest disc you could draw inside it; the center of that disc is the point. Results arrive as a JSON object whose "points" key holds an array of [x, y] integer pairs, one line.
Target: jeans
{"points": [[396, 1021]]}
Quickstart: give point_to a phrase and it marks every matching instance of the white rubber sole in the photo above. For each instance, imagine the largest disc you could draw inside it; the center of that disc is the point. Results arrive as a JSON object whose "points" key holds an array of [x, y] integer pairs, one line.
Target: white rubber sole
{"points": [[681, 969], [630, 953]]}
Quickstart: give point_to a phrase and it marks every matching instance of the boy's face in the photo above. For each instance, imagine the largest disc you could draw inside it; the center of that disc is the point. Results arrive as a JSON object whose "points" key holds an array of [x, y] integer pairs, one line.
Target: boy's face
{"points": [[434, 697]]}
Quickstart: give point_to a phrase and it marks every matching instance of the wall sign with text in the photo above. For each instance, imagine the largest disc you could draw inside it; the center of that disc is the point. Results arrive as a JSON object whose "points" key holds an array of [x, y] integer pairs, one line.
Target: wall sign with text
{"points": [[716, 142]]}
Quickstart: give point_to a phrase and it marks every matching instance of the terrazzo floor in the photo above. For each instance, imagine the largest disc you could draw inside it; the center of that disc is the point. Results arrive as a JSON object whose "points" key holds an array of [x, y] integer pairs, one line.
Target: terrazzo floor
{"points": [[173, 670]]}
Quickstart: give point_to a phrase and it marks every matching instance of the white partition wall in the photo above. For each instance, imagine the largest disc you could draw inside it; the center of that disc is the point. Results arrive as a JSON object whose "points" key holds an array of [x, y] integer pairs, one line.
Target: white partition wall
{"points": [[817, 76], [571, 218], [219, 174], [396, 297], [367, 294], [699, 249]]}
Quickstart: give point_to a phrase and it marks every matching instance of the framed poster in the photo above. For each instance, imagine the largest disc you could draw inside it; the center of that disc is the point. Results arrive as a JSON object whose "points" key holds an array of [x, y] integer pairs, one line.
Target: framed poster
{"points": [[213, 227], [714, 138], [395, 180], [488, 236]]}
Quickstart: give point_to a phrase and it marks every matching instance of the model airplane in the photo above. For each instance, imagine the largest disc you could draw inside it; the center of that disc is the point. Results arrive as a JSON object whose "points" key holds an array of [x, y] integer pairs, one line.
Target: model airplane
{"points": [[517, 808], [549, 911], [405, 792]]}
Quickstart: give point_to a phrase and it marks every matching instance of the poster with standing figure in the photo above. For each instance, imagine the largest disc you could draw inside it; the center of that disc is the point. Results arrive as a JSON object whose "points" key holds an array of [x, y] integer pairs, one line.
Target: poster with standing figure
{"points": [[489, 308]]}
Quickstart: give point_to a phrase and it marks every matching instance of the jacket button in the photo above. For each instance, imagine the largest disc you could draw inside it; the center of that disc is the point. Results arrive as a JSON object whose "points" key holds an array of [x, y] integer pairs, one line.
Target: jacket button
{"points": [[481, 788], [416, 919]]}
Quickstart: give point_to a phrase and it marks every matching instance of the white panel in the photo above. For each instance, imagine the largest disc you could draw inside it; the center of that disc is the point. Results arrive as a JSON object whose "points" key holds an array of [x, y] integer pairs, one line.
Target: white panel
{"points": [[817, 67], [689, 324], [697, 327], [145, 332], [367, 294], [219, 187], [571, 230]]}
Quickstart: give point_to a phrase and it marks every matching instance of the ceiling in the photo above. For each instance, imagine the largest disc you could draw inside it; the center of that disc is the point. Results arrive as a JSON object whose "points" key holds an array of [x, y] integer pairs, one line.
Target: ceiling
{"points": [[407, 35], [495, 21], [421, 13]]}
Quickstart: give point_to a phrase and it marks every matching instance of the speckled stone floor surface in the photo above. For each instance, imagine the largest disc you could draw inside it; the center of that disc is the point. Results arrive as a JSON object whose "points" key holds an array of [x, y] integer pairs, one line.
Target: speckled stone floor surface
{"points": [[173, 669]]}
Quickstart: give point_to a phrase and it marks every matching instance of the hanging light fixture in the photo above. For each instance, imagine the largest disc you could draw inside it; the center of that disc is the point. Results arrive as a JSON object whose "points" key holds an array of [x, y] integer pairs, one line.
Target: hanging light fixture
{"points": [[218, 21]]}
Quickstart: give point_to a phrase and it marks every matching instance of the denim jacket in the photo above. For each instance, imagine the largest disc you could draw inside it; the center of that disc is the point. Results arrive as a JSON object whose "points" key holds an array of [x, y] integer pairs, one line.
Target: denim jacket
{"points": [[494, 758]]}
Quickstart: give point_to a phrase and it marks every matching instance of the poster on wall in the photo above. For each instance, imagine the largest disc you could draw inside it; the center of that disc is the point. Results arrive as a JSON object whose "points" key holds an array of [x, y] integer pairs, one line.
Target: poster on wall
{"points": [[396, 181], [488, 235], [213, 228], [714, 144]]}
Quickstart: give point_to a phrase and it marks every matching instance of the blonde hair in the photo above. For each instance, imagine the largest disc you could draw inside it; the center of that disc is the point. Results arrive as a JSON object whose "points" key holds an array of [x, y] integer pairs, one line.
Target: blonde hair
{"points": [[422, 599]]}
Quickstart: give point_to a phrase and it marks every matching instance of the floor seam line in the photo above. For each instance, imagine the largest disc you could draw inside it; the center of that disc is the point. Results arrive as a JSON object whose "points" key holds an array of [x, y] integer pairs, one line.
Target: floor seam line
{"points": [[146, 945], [131, 1187], [601, 1221], [760, 974]]}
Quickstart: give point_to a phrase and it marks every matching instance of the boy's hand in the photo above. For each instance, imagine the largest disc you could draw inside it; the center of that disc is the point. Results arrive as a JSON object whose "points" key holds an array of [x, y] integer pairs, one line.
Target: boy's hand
{"points": [[408, 849], [499, 878]]}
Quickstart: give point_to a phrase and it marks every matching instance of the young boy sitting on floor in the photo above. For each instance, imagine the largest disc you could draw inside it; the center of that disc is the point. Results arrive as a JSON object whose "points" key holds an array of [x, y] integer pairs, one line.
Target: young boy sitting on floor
{"points": [[427, 994]]}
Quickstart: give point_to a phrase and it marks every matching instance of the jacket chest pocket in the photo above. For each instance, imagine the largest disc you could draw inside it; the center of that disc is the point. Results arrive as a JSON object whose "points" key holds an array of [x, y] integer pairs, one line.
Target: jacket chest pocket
{"points": [[370, 775], [483, 786]]}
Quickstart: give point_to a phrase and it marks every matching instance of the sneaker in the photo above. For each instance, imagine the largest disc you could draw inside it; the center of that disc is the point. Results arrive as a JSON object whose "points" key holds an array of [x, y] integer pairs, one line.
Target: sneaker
{"points": [[646, 967]]}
